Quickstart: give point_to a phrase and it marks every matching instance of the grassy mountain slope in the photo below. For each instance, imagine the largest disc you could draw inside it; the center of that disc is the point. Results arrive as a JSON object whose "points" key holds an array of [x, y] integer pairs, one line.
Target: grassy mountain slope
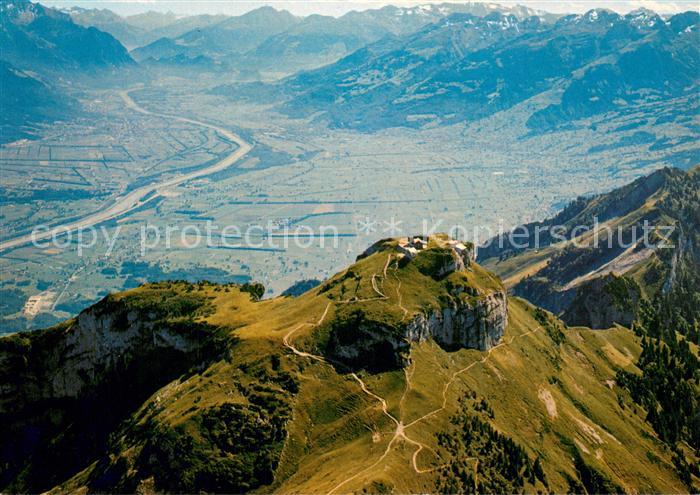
{"points": [[266, 394], [576, 272], [519, 381]]}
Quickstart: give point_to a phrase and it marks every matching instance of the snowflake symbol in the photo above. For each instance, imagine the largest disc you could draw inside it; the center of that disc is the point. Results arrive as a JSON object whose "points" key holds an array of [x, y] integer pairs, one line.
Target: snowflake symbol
{"points": [[393, 226], [367, 226]]}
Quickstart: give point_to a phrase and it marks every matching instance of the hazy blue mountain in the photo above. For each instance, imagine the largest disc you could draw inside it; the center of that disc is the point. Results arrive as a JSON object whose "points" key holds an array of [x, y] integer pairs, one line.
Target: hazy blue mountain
{"points": [[105, 20], [308, 42], [181, 25], [37, 38], [28, 102], [41, 48], [315, 40], [233, 35], [151, 20], [140, 29], [415, 74], [659, 60], [466, 67], [159, 49], [180, 64]]}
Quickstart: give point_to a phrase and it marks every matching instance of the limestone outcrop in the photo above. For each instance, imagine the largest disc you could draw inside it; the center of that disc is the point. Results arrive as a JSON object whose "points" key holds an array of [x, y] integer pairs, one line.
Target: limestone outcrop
{"points": [[470, 311], [478, 326], [106, 340]]}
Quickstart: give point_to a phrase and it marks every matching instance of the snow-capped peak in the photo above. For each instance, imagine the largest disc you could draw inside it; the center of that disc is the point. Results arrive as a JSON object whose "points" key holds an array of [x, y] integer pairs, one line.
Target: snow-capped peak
{"points": [[642, 17]]}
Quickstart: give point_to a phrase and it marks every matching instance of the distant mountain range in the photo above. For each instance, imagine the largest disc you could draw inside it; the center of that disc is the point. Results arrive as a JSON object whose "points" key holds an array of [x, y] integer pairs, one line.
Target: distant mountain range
{"points": [[269, 39], [466, 67], [42, 49], [47, 48], [140, 29], [232, 36]]}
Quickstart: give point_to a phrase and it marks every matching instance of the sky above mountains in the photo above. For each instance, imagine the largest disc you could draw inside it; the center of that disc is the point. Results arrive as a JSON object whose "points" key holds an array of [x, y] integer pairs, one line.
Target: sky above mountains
{"points": [[339, 7]]}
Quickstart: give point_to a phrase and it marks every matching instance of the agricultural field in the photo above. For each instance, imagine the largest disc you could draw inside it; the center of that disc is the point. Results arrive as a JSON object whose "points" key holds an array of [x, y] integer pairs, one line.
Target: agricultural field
{"points": [[337, 190]]}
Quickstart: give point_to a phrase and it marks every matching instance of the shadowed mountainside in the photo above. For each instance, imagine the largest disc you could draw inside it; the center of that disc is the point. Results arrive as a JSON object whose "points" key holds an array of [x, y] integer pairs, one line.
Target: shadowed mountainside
{"points": [[593, 262]]}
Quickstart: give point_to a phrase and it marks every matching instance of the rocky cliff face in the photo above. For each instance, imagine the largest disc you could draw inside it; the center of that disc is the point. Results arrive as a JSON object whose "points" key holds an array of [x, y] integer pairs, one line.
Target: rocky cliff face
{"points": [[76, 357], [362, 342], [603, 302], [468, 308], [96, 345], [473, 326], [64, 389], [461, 258]]}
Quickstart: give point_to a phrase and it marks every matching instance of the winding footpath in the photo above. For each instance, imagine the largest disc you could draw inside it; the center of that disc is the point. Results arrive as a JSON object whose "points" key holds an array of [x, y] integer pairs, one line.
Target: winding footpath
{"points": [[454, 376], [134, 199], [400, 431]]}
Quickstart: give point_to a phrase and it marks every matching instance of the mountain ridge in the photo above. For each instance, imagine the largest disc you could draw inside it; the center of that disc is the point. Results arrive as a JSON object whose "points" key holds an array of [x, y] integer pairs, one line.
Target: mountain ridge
{"points": [[44, 49], [314, 40], [265, 394], [566, 268], [36, 37], [137, 30], [497, 61]]}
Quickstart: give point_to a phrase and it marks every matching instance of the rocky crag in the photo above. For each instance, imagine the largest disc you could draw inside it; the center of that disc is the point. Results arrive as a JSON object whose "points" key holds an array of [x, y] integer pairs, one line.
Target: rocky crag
{"points": [[467, 314]]}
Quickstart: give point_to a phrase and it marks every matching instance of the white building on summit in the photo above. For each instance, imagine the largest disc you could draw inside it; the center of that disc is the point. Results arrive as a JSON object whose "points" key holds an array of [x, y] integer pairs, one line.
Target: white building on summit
{"points": [[458, 246], [463, 253], [410, 246]]}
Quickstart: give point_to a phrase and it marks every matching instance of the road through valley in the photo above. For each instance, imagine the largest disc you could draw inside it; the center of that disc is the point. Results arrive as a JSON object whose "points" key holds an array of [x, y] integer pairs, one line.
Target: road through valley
{"points": [[136, 198]]}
